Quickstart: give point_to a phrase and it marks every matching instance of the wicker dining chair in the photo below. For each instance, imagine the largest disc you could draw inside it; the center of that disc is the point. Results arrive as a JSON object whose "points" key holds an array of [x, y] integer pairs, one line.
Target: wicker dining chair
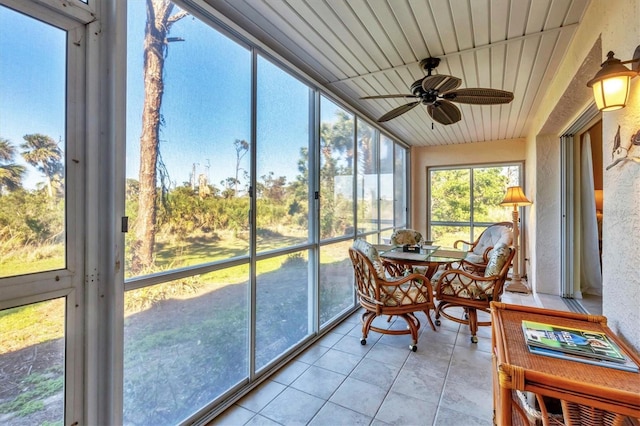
{"points": [[480, 249], [380, 293], [458, 287]]}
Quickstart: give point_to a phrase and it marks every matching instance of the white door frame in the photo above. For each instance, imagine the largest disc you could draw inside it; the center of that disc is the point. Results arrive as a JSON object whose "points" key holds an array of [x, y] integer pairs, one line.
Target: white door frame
{"points": [[567, 190]]}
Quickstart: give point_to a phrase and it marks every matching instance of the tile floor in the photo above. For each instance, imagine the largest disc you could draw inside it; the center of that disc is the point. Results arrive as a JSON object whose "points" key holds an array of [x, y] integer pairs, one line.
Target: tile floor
{"points": [[338, 381]]}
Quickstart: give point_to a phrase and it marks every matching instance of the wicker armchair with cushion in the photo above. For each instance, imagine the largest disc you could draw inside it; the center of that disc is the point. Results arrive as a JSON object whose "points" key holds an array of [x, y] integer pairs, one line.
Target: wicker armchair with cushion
{"points": [[461, 288], [480, 249], [401, 237], [379, 293]]}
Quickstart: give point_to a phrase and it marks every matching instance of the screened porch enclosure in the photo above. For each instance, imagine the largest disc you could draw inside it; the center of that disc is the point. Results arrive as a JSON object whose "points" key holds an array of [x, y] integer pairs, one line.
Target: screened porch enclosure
{"points": [[243, 185], [263, 184]]}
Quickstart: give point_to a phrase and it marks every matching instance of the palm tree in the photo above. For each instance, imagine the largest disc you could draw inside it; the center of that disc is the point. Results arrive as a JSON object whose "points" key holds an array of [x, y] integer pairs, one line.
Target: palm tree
{"points": [[11, 174], [158, 25], [43, 153]]}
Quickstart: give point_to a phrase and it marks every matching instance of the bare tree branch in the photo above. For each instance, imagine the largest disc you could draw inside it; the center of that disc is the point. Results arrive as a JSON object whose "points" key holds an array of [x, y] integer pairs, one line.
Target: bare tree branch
{"points": [[175, 18]]}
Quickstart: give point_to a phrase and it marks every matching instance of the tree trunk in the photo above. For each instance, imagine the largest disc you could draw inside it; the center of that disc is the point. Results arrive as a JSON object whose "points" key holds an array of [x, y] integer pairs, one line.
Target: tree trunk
{"points": [[154, 54]]}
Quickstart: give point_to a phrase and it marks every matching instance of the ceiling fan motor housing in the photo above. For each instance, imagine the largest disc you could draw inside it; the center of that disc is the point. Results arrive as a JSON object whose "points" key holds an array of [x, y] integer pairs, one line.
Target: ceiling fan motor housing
{"points": [[429, 64]]}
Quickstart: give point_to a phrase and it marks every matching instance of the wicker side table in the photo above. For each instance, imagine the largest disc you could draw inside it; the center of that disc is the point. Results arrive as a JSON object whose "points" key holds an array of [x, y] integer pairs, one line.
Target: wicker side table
{"points": [[588, 394]]}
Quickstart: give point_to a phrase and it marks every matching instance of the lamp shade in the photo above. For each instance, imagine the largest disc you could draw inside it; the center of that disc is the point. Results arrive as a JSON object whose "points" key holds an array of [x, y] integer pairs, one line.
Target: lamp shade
{"points": [[515, 197], [611, 84]]}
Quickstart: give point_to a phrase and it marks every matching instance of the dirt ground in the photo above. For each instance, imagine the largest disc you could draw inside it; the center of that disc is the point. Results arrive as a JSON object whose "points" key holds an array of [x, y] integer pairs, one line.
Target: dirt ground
{"points": [[179, 354]]}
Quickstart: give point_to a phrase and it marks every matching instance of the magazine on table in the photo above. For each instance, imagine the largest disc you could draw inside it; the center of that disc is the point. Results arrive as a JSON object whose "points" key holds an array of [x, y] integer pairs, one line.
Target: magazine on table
{"points": [[625, 366], [591, 344]]}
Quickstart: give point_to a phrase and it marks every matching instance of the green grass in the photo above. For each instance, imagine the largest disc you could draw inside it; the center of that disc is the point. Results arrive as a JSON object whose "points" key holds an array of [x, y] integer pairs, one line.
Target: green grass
{"points": [[28, 325], [37, 387], [29, 260]]}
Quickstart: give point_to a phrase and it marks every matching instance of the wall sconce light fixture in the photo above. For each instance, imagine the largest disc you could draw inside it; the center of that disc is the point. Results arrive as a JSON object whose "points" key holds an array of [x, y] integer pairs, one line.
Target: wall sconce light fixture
{"points": [[611, 84]]}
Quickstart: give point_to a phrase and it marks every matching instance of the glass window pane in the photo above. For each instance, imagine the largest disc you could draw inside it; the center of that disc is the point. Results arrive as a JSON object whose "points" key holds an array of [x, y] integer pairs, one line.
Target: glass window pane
{"points": [[282, 305], [450, 195], [186, 343], [32, 145], [336, 280], [400, 187], [188, 123], [446, 236], [336, 170], [32, 360], [386, 182], [489, 185], [450, 190], [367, 184], [282, 188], [385, 237]]}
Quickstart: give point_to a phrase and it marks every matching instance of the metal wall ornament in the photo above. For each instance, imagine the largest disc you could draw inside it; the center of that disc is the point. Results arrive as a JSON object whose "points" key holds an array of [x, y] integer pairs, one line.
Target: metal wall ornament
{"points": [[621, 153]]}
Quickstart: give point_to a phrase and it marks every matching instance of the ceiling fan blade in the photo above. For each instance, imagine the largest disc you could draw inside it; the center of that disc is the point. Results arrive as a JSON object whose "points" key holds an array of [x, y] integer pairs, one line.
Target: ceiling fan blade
{"points": [[388, 96], [441, 82], [444, 112], [479, 96], [398, 111]]}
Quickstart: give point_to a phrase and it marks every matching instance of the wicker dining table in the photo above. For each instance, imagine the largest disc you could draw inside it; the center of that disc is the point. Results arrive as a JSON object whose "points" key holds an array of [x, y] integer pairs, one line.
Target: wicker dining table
{"points": [[428, 257]]}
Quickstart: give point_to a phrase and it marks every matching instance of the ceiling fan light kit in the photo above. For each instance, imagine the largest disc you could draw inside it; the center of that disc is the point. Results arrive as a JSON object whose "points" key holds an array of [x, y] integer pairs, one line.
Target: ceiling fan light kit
{"points": [[438, 92]]}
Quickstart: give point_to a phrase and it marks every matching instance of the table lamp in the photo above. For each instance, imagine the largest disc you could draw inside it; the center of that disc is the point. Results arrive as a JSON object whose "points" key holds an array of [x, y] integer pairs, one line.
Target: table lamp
{"points": [[515, 197]]}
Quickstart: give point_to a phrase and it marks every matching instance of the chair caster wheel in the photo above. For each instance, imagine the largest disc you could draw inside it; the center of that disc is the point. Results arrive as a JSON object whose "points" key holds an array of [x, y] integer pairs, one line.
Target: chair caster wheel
{"points": [[474, 339], [363, 341], [438, 322], [414, 348]]}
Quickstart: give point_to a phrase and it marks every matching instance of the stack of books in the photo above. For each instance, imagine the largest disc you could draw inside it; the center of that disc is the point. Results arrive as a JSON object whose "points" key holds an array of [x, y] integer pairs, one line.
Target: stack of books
{"points": [[589, 347]]}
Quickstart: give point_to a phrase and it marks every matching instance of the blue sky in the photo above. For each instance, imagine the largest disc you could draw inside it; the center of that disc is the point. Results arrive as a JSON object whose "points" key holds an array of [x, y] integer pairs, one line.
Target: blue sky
{"points": [[206, 104], [32, 82]]}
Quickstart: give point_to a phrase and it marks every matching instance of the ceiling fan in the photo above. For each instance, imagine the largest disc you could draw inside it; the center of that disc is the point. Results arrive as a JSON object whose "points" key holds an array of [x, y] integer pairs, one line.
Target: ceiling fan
{"points": [[438, 92]]}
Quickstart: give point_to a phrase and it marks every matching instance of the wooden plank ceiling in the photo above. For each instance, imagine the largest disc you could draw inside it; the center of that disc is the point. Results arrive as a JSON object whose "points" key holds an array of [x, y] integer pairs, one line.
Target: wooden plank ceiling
{"points": [[359, 48]]}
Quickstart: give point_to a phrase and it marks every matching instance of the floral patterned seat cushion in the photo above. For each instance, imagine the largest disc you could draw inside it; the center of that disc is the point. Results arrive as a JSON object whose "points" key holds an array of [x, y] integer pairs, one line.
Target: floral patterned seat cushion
{"points": [[403, 237], [497, 258], [455, 287], [405, 294], [372, 254], [465, 287]]}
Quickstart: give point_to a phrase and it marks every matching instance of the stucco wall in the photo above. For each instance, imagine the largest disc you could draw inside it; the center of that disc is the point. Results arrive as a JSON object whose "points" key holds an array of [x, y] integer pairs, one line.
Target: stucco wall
{"points": [[621, 228], [448, 155], [617, 25]]}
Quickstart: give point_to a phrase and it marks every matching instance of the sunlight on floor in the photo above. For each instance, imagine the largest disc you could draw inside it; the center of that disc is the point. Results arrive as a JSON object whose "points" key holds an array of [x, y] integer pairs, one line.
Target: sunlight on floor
{"points": [[339, 381]]}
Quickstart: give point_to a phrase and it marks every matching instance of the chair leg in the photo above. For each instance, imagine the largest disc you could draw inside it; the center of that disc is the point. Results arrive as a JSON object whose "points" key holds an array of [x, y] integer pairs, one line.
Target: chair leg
{"points": [[414, 326], [438, 310], [428, 314], [473, 324], [367, 319]]}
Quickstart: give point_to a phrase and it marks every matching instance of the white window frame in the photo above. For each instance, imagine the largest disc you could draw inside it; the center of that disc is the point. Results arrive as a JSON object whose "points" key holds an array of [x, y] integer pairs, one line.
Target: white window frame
{"points": [[472, 224], [67, 282]]}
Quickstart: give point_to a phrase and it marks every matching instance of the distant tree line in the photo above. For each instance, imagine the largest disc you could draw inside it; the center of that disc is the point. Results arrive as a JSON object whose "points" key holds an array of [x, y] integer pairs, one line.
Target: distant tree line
{"points": [[31, 216]]}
